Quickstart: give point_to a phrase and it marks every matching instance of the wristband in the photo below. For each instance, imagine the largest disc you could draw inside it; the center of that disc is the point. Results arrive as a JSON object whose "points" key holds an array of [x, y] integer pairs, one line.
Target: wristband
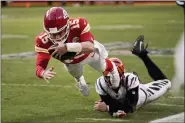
{"points": [[74, 47]]}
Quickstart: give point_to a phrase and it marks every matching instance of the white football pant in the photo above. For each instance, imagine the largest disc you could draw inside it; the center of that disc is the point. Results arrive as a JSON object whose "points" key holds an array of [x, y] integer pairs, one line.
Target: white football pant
{"points": [[95, 59], [152, 91]]}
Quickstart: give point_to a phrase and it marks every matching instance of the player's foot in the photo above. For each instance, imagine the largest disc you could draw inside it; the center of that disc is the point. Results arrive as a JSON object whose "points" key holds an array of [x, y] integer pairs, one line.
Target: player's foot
{"points": [[83, 87], [138, 48]]}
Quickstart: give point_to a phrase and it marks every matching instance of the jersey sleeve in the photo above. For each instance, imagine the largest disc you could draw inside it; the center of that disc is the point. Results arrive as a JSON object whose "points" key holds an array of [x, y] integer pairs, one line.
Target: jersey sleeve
{"points": [[113, 104], [132, 84], [42, 58], [131, 81], [100, 86], [41, 63], [85, 34]]}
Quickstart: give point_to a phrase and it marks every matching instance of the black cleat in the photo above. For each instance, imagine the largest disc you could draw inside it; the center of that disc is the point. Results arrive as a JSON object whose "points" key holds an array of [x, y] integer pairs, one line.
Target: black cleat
{"points": [[138, 49]]}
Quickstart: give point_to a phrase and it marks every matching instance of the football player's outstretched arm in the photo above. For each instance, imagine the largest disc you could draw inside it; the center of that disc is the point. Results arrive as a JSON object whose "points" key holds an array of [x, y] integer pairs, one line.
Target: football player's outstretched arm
{"points": [[42, 60], [84, 47], [41, 65]]}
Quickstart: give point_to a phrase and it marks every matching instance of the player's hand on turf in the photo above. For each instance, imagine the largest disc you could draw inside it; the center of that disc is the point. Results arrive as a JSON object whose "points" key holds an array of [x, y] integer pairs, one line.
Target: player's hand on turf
{"points": [[100, 106], [48, 74], [120, 114]]}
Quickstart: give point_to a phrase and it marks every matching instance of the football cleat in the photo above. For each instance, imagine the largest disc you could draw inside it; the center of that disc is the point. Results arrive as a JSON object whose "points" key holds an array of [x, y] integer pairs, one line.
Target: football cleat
{"points": [[138, 48], [83, 87]]}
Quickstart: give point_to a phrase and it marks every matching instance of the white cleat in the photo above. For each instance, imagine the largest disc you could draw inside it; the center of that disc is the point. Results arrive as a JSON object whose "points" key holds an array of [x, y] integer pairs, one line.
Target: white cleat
{"points": [[83, 87]]}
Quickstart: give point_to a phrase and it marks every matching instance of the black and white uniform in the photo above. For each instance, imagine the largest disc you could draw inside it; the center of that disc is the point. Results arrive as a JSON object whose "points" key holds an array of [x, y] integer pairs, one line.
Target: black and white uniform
{"points": [[131, 94]]}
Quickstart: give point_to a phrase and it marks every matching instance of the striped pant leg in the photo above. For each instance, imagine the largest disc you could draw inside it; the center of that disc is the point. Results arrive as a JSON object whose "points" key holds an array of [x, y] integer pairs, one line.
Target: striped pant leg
{"points": [[156, 89]]}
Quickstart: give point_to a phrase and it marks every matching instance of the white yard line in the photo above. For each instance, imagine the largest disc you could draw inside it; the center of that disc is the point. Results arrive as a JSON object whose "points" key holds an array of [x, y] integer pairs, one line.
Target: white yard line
{"points": [[175, 97], [102, 119], [117, 27], [71, 86], [178, 118], [148, 112], [19, 55], [116, 48], [40, 85], [164, 104], [5, 36]]}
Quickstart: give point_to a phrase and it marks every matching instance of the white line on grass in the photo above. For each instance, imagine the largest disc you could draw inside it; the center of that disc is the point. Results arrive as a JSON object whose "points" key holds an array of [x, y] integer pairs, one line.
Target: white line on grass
{"points": [[116, 48], [70, 86], [148, 112], [176, 97], [19, 55], [103, 119], [39, 85], [164, 104], [5, 36], [118, 27], [178, 118]]}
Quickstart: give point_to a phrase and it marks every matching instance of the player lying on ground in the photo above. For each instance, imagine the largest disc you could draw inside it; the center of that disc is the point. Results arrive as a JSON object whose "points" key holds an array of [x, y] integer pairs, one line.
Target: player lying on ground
{"points": [[131, 93], [70, 41]]}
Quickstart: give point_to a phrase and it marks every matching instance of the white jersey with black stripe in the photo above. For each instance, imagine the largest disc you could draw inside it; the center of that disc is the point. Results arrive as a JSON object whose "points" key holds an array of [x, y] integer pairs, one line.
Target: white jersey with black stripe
{"points": [[131, 81]]}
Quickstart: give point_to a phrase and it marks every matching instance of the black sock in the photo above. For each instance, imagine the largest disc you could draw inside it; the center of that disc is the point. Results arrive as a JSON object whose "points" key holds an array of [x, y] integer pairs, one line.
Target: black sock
{"points": [[152, 68]]}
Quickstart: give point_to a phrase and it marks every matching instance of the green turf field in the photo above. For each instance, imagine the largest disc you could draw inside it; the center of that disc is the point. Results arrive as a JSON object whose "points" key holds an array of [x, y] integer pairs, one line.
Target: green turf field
{"points": [[27, 99]]}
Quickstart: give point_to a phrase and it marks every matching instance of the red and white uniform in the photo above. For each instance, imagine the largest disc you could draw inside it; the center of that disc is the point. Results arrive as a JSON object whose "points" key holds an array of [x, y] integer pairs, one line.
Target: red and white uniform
{"points": [[79, 32]]}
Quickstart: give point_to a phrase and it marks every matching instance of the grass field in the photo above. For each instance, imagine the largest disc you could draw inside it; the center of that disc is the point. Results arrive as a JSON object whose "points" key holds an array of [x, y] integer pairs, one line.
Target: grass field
{"points": [[27, 99]]}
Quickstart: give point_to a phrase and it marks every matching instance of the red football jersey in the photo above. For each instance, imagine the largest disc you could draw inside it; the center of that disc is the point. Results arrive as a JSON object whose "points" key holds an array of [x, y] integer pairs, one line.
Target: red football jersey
{"points": [[79, 32]]}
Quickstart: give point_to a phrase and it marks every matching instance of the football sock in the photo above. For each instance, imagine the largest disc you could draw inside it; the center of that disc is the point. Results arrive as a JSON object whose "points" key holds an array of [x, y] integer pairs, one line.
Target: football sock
{"points": [[108, 67], [152, 68], [81, 79]]}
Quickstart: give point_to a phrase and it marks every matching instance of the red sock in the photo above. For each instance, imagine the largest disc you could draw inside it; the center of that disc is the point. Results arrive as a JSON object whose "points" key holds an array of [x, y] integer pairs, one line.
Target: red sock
{"points": [[109, 67]]}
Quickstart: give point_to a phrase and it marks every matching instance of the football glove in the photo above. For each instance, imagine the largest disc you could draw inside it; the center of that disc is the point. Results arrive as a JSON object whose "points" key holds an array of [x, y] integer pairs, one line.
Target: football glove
{"points": [[119, 114]]}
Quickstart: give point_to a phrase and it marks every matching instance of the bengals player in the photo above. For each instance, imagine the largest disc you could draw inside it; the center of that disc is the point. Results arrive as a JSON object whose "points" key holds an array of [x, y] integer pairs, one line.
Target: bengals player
{"points": [[72, 35], [131, 94]]}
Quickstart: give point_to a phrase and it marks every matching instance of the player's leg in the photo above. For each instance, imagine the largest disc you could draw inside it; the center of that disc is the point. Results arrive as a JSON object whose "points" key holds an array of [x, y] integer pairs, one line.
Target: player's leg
{"points": [[101, 63], [76, 70], [97, 59], [142, 96], [152, 91], [161, 85], [141, 52], [157, 89]]}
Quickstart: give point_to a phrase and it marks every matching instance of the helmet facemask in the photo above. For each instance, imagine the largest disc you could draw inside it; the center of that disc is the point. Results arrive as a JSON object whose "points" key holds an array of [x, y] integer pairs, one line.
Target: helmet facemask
{"points": [[60, 35]]}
